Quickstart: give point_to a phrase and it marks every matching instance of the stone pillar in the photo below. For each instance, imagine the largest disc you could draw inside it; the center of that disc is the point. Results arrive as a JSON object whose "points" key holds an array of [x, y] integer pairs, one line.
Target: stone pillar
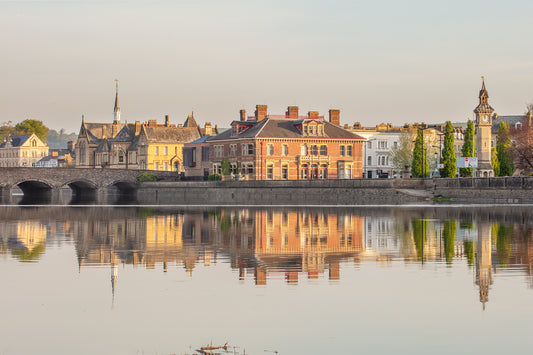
{"points": [[5, 195], [101, 196], [56, 197]]}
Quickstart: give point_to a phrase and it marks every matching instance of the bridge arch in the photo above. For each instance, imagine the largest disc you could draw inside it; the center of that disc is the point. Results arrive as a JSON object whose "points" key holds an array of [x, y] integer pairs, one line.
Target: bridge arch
{"points": [[34, 190], [123, 191]]}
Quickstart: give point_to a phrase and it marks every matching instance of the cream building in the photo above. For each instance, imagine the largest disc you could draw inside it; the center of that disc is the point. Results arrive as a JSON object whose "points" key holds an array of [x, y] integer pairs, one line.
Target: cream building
{"points": [[22, 151]]}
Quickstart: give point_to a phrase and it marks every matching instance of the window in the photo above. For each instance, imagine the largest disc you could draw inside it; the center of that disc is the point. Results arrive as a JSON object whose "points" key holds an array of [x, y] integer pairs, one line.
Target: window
{"points": [[250, 169], [305, 129], [284, 149], [395, 144], [342, 150], [303, 172], [165, 151], [156, 151], [369, 144], [233, 150], [303, 150], [314, 150], [165, 166], [284, 172], [323, 150], [369, 161], [250, 149], [320, 130], [382, 144], [156, 166], [270, 149], [323, 172], [270, 171], [349, 150]]}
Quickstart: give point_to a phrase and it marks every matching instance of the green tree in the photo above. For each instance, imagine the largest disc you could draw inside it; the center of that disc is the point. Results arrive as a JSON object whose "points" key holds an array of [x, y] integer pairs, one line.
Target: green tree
{"points": [[6, 130], [495, 162], [225, 166], [33, 126], [419, 166], [448, 153], [468, 147], [503, 150]]}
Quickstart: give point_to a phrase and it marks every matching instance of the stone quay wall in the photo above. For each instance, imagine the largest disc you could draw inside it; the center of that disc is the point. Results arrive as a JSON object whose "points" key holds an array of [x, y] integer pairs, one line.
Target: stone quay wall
{"points": [[338, 192]]}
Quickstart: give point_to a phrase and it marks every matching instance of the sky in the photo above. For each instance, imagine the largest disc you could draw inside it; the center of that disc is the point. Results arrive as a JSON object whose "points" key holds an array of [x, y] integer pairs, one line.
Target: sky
{"points": [[376, 61]]}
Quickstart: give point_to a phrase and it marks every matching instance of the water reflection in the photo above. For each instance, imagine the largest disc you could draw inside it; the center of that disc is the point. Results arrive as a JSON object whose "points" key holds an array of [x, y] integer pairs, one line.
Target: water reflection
{"points": [[265, 244]]}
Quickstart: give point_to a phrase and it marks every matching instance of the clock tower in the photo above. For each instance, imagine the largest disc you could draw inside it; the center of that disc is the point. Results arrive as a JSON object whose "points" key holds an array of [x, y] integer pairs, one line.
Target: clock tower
{"points": [[483, 124]]}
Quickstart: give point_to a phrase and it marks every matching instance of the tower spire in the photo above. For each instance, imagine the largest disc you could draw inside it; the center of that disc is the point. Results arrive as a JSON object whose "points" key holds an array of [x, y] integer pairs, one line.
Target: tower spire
{"points": [[116, 110]]}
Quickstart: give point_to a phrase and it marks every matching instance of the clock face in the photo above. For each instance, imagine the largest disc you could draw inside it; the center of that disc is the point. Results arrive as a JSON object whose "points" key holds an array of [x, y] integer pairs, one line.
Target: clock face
{"points": [[485, 118]]}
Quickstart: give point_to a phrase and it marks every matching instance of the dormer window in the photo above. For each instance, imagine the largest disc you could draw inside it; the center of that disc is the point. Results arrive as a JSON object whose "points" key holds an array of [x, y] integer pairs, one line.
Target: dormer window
{"points": [[304, 129]]}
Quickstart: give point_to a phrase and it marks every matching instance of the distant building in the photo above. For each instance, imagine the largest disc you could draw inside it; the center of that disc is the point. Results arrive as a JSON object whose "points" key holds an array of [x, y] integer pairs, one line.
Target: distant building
{"points": [[196, 158], [22, 151], [57, 158], [145, 146], [287, 147]]}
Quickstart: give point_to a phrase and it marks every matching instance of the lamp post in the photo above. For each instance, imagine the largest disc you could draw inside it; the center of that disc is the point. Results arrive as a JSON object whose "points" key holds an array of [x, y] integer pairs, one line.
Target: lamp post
{"points": [[436, 165]]}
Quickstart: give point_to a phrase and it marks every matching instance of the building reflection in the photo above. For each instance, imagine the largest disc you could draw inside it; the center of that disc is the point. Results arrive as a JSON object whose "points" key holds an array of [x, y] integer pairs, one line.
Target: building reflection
{"points": [[275, 244]]}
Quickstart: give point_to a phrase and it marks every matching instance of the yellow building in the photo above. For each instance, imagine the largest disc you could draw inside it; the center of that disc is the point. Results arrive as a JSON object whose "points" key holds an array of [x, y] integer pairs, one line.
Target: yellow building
{"points": [[22, 151]]}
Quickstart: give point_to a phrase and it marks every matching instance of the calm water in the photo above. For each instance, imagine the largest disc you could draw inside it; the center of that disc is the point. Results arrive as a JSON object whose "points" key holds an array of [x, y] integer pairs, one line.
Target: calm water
{"points": [[137, 280]]}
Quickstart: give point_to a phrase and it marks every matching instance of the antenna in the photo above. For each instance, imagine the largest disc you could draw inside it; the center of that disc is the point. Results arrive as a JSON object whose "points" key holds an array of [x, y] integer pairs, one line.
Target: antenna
{"points": [[116, 84]]}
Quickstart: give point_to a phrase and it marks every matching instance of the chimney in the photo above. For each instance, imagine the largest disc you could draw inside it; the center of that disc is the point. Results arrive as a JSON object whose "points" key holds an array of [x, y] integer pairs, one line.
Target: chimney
{"points": [[292, 112], [312, 114], [137, 128], [209, 128], [242, 114], [335, 117], [167, 121], [152, 123], [71, 145], [260, 112]]}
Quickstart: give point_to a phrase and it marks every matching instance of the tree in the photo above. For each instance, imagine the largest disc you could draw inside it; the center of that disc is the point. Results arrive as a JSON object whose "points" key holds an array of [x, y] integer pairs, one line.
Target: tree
{"points": [[503, 150], [6, 130], [33, 126], [448, 153], [419, 166], [225, 166], [402, 154], [522, 148], [468, 147], [495, 162]]}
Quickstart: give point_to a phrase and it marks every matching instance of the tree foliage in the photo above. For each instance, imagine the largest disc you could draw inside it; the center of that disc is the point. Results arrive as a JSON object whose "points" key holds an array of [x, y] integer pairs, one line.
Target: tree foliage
{"points": [[7, 129], [419, 166], [503, 151], [402, 154], [225, 166], [448, 153], [468, 147], [522, 148], [33, 126], [495, 163]]}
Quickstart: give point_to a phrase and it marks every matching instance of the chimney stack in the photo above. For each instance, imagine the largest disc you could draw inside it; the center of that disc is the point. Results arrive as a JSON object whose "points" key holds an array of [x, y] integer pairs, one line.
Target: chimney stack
{"points": [[242, 114], [137, 128], [209, 128], [260, 112], [335, 117], [167, 121], [292, 112], [312, 114]]}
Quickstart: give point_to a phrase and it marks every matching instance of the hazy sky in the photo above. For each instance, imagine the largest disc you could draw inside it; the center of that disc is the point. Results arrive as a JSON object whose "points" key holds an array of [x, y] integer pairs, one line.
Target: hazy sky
{"points": [[376, 61]]}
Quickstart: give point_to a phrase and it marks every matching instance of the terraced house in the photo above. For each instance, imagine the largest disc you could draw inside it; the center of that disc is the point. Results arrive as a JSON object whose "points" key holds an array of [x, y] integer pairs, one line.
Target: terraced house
{"points": [[288, 147]]}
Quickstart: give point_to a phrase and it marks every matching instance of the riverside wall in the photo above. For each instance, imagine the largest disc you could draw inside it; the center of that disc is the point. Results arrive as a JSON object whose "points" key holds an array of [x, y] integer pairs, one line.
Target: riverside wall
{"points": [[339, 192]]}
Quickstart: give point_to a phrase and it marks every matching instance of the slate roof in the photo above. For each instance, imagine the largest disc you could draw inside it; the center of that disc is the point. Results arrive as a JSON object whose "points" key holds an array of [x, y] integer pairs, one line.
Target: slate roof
{"points": [[190, 122], [16, 141], [164, 134], [286, 128], [511, 121]]}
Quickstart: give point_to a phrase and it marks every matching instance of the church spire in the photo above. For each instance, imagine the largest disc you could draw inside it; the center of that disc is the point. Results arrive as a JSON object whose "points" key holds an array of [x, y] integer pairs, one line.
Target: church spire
{"points": [[116, 110], [483, 94]]}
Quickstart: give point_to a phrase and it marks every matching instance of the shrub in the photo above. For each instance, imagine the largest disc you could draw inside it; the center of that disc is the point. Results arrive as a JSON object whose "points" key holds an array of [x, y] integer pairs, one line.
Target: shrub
{"points": [[213, 177], [146, 176]]}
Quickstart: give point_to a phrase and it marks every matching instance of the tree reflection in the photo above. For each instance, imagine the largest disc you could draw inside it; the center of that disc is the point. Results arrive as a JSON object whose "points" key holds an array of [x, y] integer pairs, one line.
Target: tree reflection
{"points": [[419, 236], [448, 236]]}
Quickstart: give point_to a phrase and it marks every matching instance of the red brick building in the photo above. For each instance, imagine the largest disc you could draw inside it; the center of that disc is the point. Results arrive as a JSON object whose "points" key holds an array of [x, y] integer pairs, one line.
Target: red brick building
{"points": [[288, 147]]}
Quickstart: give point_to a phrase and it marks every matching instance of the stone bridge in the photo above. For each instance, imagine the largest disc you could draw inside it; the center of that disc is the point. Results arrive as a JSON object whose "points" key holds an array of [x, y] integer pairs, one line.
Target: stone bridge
{"points": [[49, 184]]}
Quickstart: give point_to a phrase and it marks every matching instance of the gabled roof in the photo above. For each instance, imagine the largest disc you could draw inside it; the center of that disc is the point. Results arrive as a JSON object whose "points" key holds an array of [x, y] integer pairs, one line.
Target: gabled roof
{"points": [[16, 141], [125, 135]]}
